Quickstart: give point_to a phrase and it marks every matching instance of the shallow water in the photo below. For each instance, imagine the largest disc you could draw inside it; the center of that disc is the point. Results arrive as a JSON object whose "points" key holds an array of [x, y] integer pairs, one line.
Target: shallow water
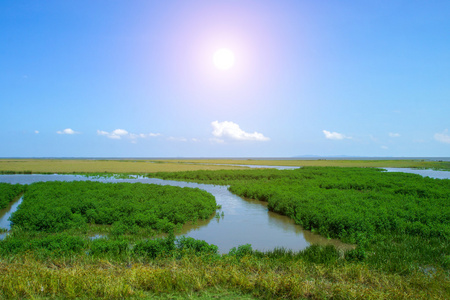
{"points": [[424, 173], [244, 221]]}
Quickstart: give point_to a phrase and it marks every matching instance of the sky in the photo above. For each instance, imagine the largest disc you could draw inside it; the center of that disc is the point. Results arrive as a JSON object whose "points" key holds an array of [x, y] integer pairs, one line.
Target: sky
{"points": [[138, 78]]}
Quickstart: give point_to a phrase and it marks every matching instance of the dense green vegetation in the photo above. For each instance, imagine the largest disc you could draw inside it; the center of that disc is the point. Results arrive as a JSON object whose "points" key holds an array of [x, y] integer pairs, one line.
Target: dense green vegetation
{"points": [[71, 243], [8, 192], [399, 221], [56, 206]]}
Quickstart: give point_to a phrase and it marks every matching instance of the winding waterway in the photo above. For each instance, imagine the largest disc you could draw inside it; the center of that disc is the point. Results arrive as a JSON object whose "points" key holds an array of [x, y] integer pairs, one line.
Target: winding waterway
{"points": [[244, 221]]}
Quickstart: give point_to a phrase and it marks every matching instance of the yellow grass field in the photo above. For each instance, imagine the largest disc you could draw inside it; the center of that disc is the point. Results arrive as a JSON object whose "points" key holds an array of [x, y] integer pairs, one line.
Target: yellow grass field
{"points": [[139, 166], [400, 163], [94, 166]]}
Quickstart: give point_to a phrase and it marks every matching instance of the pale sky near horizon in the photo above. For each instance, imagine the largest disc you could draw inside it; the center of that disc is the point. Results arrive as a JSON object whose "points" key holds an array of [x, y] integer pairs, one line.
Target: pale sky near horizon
{"points": [[138, 78]]}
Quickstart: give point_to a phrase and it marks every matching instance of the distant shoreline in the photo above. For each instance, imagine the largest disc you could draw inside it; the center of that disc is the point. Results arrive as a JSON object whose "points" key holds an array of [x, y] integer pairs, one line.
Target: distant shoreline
{"points": [[142, 166], [429, 158]]}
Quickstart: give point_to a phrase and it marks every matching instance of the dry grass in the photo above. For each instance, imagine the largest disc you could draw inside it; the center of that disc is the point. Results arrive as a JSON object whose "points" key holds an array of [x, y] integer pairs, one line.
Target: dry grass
{"points": [[95, 166], [400, 163], [29, 278], [139, 166]]}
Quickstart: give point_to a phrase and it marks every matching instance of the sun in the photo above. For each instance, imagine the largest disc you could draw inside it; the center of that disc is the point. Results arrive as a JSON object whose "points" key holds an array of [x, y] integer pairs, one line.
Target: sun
{"points": [[223, 59]]}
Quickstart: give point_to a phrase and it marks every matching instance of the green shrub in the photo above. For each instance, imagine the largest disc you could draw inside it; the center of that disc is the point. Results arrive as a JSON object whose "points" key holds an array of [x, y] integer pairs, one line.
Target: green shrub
{"points": [[106, 246], [241, 251], [197, 246], [320, 254]]}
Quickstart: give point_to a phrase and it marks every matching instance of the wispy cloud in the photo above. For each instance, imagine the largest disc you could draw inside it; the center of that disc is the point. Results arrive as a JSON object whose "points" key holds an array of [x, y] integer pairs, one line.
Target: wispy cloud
{"points": [[177, 139], [384, 147], [335, 135], [442, 137], [36, 131], [67, 131], [232, 131], [394, 135], [118, 134]]}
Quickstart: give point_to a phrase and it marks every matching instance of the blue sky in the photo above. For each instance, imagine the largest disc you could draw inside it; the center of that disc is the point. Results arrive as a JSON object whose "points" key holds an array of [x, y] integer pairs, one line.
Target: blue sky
{"points": [[137, 78]]}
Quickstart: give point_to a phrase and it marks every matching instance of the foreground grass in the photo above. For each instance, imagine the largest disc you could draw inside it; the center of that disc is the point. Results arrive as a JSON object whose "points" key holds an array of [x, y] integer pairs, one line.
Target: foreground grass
{"points": [[193, 276], [69, 266]]}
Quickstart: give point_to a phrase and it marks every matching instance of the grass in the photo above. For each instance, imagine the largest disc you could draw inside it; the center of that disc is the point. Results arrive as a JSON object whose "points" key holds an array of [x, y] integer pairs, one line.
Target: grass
{"points": [[399, 163], [199, 277], [70, 166], [140, 166]]}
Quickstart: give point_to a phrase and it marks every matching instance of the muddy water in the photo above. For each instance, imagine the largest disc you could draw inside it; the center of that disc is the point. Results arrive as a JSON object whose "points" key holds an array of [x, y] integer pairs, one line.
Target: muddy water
{"points": [[244, 221]]}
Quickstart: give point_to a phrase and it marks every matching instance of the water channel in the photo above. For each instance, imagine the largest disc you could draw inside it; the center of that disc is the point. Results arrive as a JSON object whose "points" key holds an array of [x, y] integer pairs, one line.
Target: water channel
{"points": [[244, 221]]}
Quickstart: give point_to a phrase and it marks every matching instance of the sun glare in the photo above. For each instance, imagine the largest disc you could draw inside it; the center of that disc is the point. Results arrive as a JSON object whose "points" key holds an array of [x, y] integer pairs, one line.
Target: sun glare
{"points": [[223, 59]]}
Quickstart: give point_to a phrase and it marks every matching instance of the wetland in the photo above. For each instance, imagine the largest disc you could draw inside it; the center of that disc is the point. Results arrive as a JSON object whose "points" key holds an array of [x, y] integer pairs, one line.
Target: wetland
{"points": [[369, 232]]}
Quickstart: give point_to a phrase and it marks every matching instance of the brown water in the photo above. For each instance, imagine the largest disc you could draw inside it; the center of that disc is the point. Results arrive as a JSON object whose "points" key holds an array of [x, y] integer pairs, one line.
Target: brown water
{"points": [[245, 221]]}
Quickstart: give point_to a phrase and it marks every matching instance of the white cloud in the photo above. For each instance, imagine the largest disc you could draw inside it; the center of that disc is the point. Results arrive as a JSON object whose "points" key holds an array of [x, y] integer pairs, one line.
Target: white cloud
{"points": [[335, 135], [146, 135], [442, 137], [118, 134], [67, 131], [394, 135], [232, 130], [384, 147], [36, 131]]}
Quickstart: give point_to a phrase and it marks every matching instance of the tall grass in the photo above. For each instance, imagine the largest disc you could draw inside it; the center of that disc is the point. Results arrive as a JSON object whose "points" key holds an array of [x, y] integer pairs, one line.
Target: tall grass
{"points": [[263, 277]]}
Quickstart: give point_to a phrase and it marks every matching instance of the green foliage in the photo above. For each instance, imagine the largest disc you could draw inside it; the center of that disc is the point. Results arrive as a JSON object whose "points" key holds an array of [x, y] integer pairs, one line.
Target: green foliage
{"points": [[241, 251], [154, 248], [320, 254], [55, 245], [8, 192], [56, 206], [107, 246], [197, 246], [357, 254]]}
